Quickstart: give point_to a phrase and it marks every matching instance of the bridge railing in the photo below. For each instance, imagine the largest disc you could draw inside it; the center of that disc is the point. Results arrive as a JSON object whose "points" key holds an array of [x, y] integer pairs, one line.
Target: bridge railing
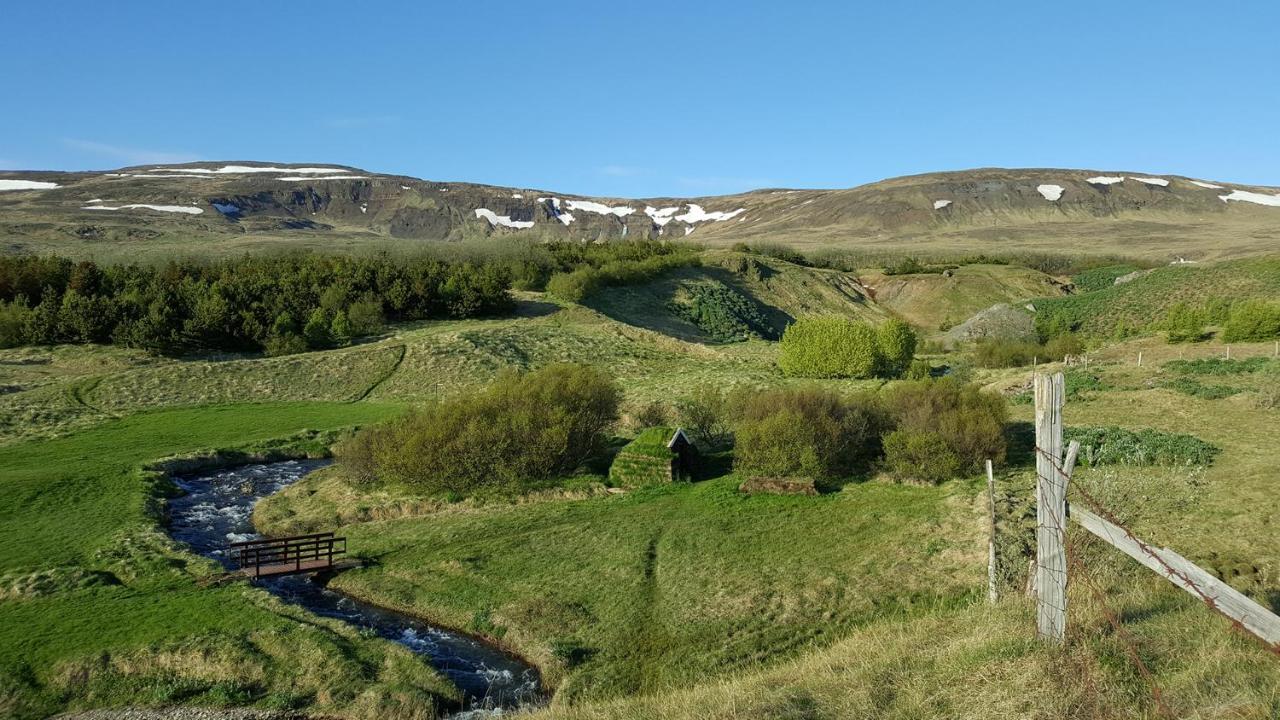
{"points": [[281, 556]]}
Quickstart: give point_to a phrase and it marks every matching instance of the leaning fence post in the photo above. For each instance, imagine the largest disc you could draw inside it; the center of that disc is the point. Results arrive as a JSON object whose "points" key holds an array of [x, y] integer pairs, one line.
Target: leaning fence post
{"points": [[1051, 510], [993, 594]]}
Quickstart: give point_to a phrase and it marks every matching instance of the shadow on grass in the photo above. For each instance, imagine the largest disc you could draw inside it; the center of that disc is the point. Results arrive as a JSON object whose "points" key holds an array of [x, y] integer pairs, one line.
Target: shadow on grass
{"points": [[1021, 439]]}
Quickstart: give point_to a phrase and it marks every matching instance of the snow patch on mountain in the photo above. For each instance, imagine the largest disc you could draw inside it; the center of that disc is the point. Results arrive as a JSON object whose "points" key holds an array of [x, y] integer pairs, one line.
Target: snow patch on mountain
{"points": [[600, 208], [1105, 180], [1252, 197], [696, 214], [245, 169], [299, 178], [939, 204], [27, 185], [1153, 181], [660, 217], [1052, 193], [157, 208], [503, 220], [1210, 186]]}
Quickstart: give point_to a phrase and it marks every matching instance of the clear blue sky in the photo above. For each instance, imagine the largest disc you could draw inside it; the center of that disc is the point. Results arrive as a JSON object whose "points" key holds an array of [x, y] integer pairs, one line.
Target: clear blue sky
{"points": [[656, 98]]}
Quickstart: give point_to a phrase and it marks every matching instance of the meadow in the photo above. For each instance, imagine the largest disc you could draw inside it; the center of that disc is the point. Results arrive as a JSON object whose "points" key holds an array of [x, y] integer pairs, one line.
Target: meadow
{"points": [[688, 600]]}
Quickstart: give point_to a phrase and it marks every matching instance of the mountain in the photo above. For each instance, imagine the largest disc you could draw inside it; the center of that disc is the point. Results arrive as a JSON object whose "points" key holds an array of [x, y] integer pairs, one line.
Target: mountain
{"points": [[240, 206]]}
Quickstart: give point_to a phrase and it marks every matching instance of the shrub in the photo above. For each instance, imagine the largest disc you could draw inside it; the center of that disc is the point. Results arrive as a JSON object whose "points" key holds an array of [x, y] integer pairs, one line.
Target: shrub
{"points": [[1118, 446], [997, 353], [585, 281], [705, 415], [722, 313], [807, 432], [830, 347], [522, 430], [897, 344], [1252, 321], [14, 317], [919, 370], [649, 414], [1101, 277], [1221, 366], [1189, 386], [1183, 323], [969, 422], [920, 455]]}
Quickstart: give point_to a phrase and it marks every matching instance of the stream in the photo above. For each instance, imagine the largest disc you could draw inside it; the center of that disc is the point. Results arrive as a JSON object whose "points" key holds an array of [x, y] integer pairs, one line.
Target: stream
{"points": [[217, 509]]}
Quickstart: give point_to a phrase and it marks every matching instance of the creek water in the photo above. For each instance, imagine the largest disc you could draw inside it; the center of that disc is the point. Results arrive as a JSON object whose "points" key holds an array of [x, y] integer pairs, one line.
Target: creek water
{"points": [[216, 509]]}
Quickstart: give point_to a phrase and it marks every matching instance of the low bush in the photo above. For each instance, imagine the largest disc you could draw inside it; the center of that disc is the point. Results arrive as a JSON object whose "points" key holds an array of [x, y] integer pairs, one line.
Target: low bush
{"points": [[582, 283], [833, 346], [721, 312], [934, 414], [921, 455], [997, 353], [1252, 321], [521, 431], [1101, 277], [1183, 323], [1118, 446], [1221, 366], [648, 414], [1189, 386], [705, 414], [810, 433]]}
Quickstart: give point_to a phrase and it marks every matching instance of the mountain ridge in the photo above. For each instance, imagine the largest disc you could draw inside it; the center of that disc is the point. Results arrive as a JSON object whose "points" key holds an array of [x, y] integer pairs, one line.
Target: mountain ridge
{"points": [[252, 204]]}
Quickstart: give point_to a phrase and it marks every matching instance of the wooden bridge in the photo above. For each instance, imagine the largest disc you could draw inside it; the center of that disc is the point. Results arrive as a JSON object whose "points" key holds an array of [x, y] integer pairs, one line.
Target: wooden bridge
{"points": [[274, 557]]}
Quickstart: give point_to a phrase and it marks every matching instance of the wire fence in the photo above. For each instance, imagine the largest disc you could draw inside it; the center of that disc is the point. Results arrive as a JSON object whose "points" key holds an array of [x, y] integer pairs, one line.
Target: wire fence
{"points": [[1077, 570]]}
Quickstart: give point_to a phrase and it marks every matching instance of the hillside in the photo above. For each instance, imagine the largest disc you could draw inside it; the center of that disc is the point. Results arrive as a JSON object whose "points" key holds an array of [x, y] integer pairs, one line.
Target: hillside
{"points": [[220, 207]]}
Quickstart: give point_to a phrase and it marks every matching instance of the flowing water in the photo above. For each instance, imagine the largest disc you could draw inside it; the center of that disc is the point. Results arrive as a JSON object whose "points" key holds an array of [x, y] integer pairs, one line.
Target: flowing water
{"points": [[216, 510]]}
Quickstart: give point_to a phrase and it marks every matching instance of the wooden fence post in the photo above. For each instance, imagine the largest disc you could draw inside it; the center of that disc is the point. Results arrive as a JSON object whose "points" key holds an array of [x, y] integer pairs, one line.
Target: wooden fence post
{"points": [[1051, 510], [993, 593]]}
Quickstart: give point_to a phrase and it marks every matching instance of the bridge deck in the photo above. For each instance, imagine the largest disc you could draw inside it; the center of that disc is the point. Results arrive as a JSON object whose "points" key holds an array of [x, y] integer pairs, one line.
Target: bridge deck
{"points": [[289, 568]]}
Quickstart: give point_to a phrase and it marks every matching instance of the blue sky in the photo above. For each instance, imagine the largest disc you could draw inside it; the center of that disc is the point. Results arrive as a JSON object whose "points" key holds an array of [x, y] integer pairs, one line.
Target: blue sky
{"points": [[633, 99]]}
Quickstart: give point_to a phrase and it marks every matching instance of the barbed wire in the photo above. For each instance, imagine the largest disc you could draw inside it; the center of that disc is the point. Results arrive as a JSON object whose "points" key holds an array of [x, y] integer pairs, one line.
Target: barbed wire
{"points": [[1096, 506], [1078, 570]]}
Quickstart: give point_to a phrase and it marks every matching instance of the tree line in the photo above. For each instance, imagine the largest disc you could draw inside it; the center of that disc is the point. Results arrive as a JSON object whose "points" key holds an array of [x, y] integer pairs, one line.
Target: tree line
{"points": [[277, 304]]}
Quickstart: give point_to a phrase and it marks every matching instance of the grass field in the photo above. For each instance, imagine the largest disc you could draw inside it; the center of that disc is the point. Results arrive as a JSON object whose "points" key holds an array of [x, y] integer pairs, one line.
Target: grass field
{"points": [[680, 601]]}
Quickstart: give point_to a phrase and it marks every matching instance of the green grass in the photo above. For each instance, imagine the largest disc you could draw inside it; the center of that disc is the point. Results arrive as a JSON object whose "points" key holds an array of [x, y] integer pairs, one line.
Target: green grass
{"points": [[679, 601], [1140, 303], [79, 504], [675, 584], [1100, 278]]}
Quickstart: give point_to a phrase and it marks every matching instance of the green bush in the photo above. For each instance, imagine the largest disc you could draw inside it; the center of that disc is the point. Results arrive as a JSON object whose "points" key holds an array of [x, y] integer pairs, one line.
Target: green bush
{"points": [[832, 346], [1100, 278], [523, 430], [705, 414], [997, 353], [722, 313], [920, 455], [897, 343], [1118, 446], [585, 281], [1252, 321], [968, 422], [1189, 386], [1221, 366], [805, 432], [14, 317], [1183, 323]]}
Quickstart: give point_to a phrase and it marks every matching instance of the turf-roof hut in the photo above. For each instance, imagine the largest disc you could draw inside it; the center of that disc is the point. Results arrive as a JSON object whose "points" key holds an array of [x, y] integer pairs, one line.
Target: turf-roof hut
{"points": [[657, 455]]}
